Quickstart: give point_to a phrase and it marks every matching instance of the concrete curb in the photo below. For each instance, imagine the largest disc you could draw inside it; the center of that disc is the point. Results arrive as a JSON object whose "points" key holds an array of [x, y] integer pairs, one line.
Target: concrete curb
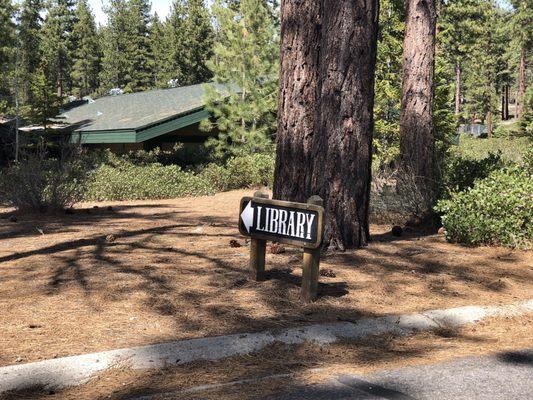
{"points": [[69, 371]]}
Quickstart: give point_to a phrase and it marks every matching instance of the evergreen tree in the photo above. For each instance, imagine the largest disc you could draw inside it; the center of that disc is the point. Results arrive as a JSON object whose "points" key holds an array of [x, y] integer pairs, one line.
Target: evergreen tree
{"points": [[458, 30], [417, 129], [56, 43], [199, 39], [160, 50], [86, 57], [324, 138], [481, 81], [175, 42], [190, 42], [140, 59], [45, 102], [246, 59], [28, 59], [115, 47], [7, 54], [388, 80], [523, 37]]}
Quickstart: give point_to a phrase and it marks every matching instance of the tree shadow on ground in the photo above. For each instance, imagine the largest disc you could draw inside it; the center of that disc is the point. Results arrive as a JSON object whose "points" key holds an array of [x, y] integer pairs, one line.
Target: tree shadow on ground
{"points": [[166, 254]]}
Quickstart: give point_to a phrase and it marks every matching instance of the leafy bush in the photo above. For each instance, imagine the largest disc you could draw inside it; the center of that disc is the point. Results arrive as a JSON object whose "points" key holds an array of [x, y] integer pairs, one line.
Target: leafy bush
{"points": [[460, 173], [252, 170], [40, 183], [152, 181], [241, 172], [181, 154], [124, 180], [496, 210]]}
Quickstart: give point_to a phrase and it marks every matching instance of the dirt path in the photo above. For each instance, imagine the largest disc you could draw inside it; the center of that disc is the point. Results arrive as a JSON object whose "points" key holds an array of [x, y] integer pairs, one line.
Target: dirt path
{"points": [[153, 271]]}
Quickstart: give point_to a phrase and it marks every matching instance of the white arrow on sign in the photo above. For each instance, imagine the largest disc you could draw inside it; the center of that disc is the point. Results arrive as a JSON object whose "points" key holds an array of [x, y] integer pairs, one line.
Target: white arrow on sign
{"points": [[247, 216]]}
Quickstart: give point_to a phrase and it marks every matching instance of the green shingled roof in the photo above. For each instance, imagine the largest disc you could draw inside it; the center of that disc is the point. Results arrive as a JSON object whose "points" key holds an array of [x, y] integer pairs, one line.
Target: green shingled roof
{"points": [[136, 110]]}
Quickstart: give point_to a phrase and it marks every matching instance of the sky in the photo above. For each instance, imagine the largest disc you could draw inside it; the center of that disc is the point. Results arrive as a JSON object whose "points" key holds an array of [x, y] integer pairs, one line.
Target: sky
{"points": [[162, 7]]}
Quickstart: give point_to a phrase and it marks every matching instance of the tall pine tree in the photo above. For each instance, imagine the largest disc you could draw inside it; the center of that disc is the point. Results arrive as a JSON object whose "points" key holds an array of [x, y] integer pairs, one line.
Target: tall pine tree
{"points": [[140, 58], [86, 56], [523, 36], [115, 47], [160, 50], [245, 59], [29, 57], [481, 80], [458, 31], [7, 54], [190, 42], [57, 45]]}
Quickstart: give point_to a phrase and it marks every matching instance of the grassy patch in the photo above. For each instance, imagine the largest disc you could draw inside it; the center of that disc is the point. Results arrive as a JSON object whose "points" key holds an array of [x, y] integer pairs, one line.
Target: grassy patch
{"points": [[512, 148]]}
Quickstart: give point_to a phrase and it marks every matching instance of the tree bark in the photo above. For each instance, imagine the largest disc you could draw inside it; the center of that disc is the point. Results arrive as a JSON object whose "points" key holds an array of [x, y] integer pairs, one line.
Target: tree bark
{"points": [[325, 147], [506, 103], [521, 84], [59, 83], [488, 122], [417, 139], [298, 98], [342, 150], [457, 88]]}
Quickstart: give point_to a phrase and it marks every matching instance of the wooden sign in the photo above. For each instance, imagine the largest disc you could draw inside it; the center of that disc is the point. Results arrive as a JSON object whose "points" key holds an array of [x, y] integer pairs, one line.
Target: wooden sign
{"points": [[297, 224]]}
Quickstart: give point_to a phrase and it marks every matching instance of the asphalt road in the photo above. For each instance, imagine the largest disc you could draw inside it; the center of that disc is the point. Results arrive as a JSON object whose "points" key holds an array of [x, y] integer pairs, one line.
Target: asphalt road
{"points": [[504, 376]]}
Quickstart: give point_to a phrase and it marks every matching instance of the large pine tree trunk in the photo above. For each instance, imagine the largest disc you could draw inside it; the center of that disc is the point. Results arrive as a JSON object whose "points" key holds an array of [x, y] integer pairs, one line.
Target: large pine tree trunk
{"points": [[457, 88], [521, 84], [342, 150], [417, 141], [298, 97], [325, 148]]}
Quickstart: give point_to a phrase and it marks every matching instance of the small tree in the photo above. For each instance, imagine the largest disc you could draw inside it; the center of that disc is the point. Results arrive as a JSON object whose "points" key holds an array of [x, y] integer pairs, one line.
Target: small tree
{"points": [[245, 60], [45, 101]]}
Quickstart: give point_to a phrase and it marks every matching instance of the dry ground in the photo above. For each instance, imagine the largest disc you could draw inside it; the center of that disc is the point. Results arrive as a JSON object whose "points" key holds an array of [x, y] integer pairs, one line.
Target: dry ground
{"points": [[168, 272]]}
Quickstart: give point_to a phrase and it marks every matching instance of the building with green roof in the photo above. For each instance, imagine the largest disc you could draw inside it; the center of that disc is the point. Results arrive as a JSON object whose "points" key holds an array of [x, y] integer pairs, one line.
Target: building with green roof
{"points": [[141, 120]]}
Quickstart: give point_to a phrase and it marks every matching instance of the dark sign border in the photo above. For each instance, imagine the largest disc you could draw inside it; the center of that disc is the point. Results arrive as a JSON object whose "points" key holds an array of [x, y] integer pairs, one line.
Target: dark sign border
{"points": [[289, 204]]}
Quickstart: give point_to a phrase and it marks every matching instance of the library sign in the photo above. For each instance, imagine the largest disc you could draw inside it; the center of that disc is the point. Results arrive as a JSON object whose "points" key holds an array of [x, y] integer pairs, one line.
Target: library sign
{"points": [[297, 224]]}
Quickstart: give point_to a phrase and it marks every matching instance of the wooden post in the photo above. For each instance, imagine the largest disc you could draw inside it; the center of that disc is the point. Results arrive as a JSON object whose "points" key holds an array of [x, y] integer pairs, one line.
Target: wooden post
{"points": [[258, 250], [311, 265]]}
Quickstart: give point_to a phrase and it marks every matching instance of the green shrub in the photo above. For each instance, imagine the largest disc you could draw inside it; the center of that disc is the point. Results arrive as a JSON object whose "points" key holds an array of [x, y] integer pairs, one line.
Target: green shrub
{"points": [[497, 210], [217, 175], [153, 181], [241, 172], [252, 170], [460, 173], [41, 183], [121, 179]]}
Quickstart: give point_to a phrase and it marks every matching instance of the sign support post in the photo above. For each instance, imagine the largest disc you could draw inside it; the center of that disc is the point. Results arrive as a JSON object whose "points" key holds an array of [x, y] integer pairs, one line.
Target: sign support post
{"points": [[311, 265], [258, 250]]}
